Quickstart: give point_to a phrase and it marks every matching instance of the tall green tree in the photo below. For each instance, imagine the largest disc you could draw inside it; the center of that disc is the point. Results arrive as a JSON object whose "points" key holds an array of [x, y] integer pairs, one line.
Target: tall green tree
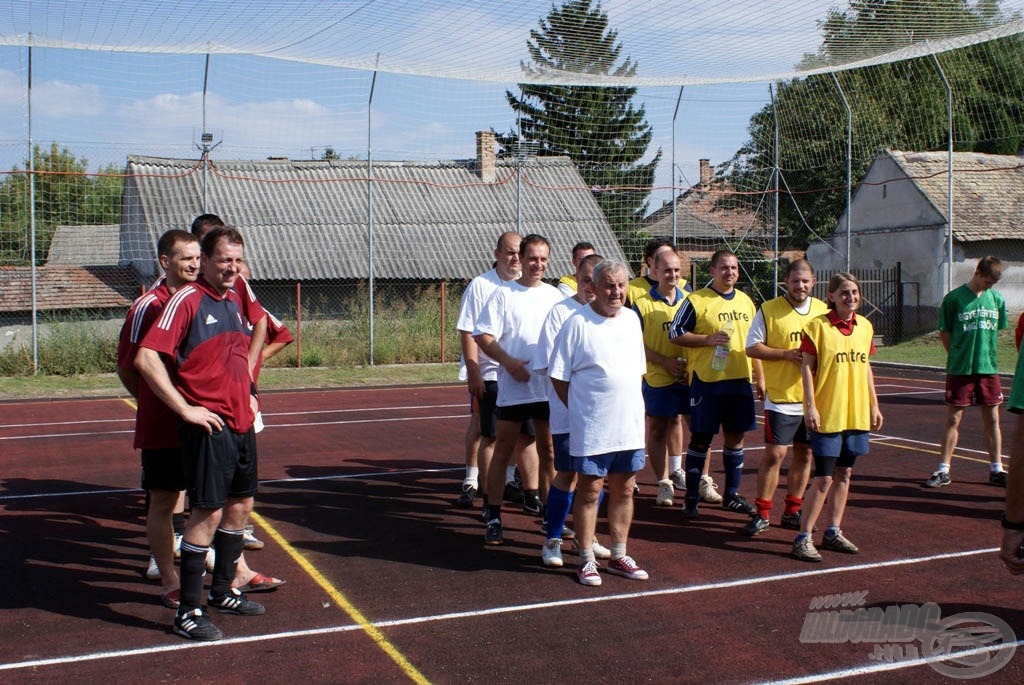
{"points": [[899, 105], [65, 195], [597, 127]]}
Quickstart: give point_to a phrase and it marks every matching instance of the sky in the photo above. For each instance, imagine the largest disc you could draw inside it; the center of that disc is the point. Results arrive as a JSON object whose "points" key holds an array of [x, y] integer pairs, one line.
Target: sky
{"points": [[107, 105]]}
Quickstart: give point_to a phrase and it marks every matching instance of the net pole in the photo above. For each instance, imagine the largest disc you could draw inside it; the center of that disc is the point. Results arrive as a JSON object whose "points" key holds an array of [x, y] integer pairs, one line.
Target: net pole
{"points": [[32, 225], [949, 175], [674, 203], [849, 167], [775, 185], [369, 199]]}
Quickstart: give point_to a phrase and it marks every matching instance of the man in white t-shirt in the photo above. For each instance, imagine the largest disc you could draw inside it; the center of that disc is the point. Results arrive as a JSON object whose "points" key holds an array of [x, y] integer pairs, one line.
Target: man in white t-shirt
{"points": [[480, 371], [595, 367], [560, 494], [507, 330]]}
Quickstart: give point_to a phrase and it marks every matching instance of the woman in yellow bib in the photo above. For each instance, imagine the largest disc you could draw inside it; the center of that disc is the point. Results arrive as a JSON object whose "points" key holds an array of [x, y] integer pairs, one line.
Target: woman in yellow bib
{"points": [[840, 408]]}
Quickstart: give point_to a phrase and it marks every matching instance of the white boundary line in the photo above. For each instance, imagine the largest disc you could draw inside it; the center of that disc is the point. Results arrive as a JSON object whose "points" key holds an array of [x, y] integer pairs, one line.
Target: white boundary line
{"points": [[269, 481], [686, 589]]}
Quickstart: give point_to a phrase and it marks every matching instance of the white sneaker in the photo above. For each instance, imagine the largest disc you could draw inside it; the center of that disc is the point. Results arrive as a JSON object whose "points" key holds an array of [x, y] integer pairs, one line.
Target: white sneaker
{"points": [[551, 553], [211, 559], [665, 493], [600, 551], [709, 491], [251, 543], [177, 545], [153, 571]]}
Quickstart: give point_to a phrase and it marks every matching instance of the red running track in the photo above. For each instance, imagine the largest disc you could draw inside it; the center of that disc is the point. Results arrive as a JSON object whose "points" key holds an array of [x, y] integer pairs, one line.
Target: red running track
{"points": [[388, 582]]}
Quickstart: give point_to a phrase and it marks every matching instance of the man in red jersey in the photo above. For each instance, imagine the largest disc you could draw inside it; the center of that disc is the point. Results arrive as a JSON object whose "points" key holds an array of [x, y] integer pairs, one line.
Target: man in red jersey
{"points": [[203, 336], [156, 432]]}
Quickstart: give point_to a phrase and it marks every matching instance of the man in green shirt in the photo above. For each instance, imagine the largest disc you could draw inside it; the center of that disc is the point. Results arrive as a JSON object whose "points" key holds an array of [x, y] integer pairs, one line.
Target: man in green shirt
{"points": [[970, 319]]}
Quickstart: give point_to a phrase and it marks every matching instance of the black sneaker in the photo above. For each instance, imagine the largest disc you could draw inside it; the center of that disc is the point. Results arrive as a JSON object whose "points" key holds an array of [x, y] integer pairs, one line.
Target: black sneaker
{"points": [[495, 534], [756, 526], [738, 504], [465, 500], [997, 478], [690, 508], [513, 493], [195, 625], [532, 504], [235, 602], [938, 479], [791, 521]]}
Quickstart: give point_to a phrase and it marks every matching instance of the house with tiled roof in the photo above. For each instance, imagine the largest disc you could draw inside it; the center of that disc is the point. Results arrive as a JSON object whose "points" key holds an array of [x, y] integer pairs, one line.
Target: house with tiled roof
{"points": [[708, 217], [81, 275], [899, 213], [314, 220]]}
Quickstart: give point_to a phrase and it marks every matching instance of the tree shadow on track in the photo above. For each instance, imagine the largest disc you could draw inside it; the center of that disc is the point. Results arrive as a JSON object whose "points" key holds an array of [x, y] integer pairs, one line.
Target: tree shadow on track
{"points": [[908, 496], [71, 555]]}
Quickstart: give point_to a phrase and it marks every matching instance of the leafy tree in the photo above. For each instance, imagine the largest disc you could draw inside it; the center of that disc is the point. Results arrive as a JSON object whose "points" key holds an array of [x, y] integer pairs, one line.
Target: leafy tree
{"points": [[596, 126], [899, 105], [65, 195]]}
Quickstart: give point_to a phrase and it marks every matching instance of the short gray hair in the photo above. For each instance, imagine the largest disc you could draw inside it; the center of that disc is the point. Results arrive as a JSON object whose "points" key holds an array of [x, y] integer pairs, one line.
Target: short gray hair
{"points": [[610, 265]]}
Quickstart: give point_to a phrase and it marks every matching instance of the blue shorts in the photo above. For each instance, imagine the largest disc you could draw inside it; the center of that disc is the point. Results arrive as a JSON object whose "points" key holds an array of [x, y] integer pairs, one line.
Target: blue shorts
{"points": [[600, 465], [726, 405], [563, 461], [833, 450], [668, 401]]}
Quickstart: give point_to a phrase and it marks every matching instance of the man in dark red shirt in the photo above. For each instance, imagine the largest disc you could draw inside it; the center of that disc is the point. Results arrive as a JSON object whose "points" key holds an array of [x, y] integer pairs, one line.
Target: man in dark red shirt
{"points": [[203, 335], [156, 426]]}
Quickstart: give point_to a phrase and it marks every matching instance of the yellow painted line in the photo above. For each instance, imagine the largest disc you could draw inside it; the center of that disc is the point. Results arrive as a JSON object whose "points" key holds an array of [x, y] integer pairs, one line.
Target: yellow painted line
{"points": [[130, 402], [375, 634], [885, 441]]}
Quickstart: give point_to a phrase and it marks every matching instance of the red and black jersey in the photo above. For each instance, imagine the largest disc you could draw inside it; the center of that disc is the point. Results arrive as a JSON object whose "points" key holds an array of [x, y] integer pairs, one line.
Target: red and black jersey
{"points": [[156, 426], [207, 340]]}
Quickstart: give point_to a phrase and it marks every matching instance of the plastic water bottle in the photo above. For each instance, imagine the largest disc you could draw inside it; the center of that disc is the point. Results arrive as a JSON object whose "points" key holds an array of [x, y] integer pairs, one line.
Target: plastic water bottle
{"points": [[720, 359]]}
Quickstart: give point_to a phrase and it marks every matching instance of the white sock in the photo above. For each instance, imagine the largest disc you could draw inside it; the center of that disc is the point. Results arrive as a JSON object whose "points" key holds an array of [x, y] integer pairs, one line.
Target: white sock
{"points": [[995, 468], [675, 463], [510, 474], [943, 468]]}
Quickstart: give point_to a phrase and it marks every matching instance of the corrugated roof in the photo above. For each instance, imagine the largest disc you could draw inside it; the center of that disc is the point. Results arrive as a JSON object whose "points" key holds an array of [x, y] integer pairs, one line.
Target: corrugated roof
{"points": [[85, 245], [705, 214], [988, 191], [67, 287], [307, 220]]}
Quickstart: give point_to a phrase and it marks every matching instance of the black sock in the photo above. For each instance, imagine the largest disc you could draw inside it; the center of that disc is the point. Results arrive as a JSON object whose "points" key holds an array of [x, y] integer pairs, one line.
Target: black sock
{"points": [[228, 545], [193, 568], [492, 511]]}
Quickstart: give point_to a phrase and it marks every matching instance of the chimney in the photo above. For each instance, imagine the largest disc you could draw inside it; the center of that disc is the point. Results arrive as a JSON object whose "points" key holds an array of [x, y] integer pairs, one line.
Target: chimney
{"points": [[485, 156], [705, 174]]}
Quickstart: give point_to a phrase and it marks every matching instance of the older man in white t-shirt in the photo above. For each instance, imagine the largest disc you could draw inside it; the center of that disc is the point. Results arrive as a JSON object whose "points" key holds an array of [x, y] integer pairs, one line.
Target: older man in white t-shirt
{"points": [[596, 366], [480, 371], [507, 330]]}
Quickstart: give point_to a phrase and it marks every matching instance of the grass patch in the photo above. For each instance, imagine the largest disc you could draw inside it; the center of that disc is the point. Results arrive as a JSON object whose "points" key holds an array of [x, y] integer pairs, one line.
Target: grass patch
{"points": [[926, 350]]}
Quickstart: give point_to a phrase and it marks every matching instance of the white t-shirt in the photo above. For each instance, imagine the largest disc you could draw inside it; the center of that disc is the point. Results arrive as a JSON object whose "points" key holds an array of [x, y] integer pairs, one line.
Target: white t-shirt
{"points": [[477, 293], [603, 361], [559, 418], [514, 315], [758, 333]]}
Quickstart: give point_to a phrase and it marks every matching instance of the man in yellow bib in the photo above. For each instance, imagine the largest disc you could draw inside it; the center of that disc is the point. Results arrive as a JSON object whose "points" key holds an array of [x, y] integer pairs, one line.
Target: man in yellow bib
{"points": [[774, 338], [713, 322]]}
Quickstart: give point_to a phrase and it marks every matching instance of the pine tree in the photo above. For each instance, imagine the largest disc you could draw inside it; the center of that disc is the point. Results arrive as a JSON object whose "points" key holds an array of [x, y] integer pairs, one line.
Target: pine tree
{"points": [[596, 126]]}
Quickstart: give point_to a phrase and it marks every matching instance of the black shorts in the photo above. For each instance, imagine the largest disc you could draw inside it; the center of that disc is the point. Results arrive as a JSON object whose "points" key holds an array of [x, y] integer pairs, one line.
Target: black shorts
{"points": [[218, 466], [524, 412], [784, 429], [163, 469], [486, 407]]}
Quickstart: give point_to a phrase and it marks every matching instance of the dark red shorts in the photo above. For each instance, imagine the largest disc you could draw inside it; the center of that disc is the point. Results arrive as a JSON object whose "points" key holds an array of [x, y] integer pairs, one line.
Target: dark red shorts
{"points": [[963, 391]]}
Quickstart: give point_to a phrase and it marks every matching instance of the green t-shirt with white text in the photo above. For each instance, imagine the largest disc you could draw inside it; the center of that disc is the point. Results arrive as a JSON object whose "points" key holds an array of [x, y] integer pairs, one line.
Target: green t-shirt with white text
{"points": [[973, 323]]}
